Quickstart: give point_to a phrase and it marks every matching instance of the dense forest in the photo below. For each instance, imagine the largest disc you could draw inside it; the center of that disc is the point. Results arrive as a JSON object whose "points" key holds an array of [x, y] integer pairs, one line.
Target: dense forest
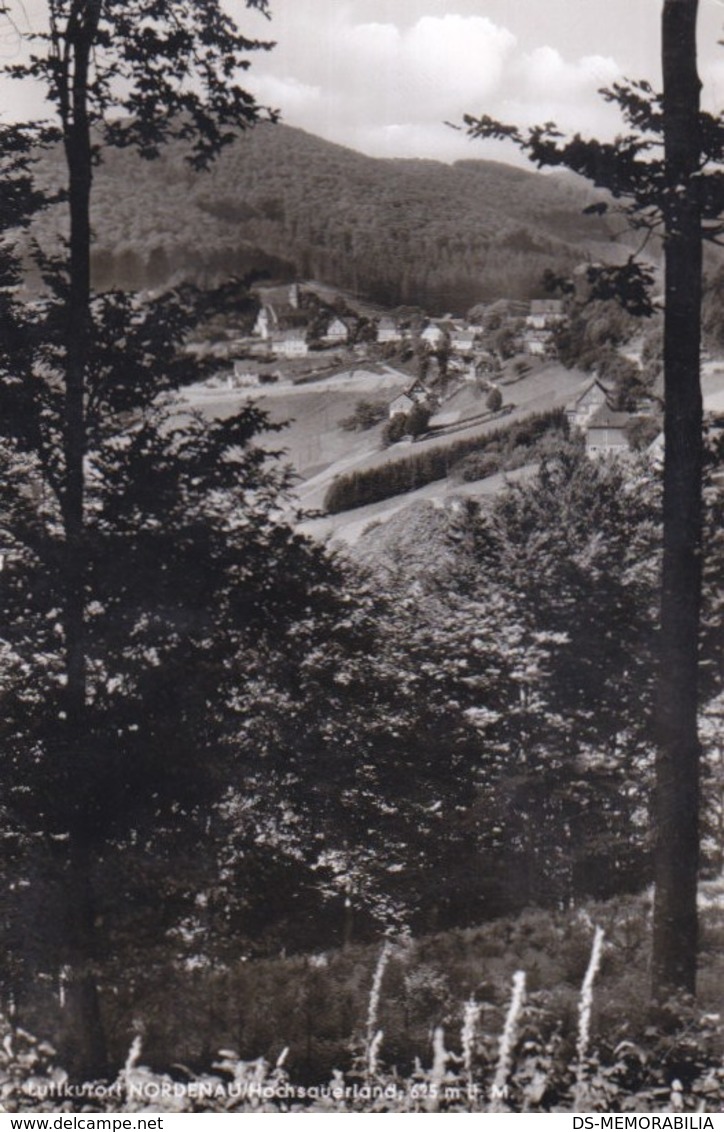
{"points": [[281, 200], [253, 782]]}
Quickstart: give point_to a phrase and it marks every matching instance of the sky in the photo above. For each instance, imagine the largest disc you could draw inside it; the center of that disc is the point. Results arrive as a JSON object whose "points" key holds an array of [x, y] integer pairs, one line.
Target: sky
{"points": [[384, 76]]}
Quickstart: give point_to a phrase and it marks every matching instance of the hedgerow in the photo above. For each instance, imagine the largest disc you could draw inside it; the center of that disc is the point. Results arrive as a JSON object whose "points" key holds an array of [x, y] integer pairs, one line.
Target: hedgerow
{"points": [[371, 485]]}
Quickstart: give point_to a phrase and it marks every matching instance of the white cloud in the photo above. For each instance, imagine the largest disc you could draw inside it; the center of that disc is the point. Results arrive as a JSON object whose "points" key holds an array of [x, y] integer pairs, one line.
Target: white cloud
{"points": [[457, 57], [291, 95], [432, 69], [382, 87], [545, 74], [387, 86]]}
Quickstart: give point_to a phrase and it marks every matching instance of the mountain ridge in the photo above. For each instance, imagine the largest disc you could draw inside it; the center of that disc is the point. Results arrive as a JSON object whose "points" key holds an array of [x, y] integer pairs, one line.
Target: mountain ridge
{"points": [[395, 230]]}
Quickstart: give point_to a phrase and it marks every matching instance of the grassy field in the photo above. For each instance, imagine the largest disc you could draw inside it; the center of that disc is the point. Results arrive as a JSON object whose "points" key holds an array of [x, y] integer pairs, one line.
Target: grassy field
{"points": [[319, 449]]}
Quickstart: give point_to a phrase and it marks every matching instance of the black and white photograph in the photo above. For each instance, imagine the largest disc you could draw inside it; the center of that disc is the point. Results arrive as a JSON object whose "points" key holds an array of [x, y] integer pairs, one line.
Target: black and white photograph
{"points": [[361, 559]]}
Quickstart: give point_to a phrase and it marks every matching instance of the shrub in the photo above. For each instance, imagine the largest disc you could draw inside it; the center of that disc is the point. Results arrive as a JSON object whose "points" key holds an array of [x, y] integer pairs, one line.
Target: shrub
{"points": [[419, 468], [365, 415], [417, 420], [477, 466], [512, 1050], [642, 431], [394, 430]]}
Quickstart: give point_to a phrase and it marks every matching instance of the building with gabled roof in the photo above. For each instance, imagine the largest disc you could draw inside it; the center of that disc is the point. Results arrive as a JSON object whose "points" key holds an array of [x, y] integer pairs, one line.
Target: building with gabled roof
{"points": [[389, 330], [415, 394], [337, 331], [606, 431], [580, 410], [290, 343]]}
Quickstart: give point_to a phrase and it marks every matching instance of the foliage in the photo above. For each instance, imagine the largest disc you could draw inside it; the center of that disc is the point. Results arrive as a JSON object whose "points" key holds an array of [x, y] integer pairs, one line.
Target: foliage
{"points": [[137, 87], [366, 415], [593, 330], [641, 431], [572, 560], [494, 400], [665, 176], [410, 472], [394, 431], [397, 231], [453, 986], [547, 599], [417, 420], [188, 570], [129, 529]]}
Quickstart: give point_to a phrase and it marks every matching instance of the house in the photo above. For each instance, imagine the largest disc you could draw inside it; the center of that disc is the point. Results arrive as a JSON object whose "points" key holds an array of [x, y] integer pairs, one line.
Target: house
{"points": [[280, 310], [337, 331], [590, 400], [545, 314], [290, 343], [432, 335], [606, 431], [389, 331], [265, 323], [243, 376], [416, 394], [535, 342], [400, 405], [463, 341]]}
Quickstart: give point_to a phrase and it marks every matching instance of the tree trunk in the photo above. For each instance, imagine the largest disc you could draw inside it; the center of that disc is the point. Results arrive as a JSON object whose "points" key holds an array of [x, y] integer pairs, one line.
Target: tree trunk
{"points": [[84, 1042], [676, 810], [89, 1052]]}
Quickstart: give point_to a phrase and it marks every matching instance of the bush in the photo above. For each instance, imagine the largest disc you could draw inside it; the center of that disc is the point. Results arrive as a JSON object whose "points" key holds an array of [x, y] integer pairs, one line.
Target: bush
{"points": [[642, 431], [420, 468], [366, 414], [394, 430], [323, 1024], [417, 420], [477, 466], [494, 400]]}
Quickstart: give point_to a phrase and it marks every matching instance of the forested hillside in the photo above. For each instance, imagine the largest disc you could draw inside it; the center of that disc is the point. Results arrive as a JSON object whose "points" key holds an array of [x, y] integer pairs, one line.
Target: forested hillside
{"points": [[396, 231]]}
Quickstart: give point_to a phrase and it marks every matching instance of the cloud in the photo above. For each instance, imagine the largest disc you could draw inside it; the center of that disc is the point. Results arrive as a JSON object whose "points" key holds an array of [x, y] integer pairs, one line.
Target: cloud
{"points": [[544, 74], [427, 71], [387, 87], [294, 97], [543, 86]]}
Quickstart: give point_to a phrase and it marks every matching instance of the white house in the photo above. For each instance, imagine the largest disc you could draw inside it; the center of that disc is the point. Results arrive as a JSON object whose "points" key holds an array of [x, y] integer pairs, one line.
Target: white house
{"points": [[243, 376], [388, 331], [290, 343], [415, 394], [606, 431], [336, 332], [545, 314], [432, 335], [265, 323], [462, 341]]}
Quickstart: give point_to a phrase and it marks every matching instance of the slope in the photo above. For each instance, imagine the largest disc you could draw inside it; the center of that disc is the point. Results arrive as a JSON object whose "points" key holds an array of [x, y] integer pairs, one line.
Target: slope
{"points": [[282, 200]]}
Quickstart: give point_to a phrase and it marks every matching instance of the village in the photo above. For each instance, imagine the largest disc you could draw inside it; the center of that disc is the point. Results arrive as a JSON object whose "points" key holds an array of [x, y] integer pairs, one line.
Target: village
{"points": [[501, 358]]}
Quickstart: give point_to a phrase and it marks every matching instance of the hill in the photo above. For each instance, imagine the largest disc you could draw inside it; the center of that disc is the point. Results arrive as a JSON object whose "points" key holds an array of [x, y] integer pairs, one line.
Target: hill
{"points": [[281, 200]]}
